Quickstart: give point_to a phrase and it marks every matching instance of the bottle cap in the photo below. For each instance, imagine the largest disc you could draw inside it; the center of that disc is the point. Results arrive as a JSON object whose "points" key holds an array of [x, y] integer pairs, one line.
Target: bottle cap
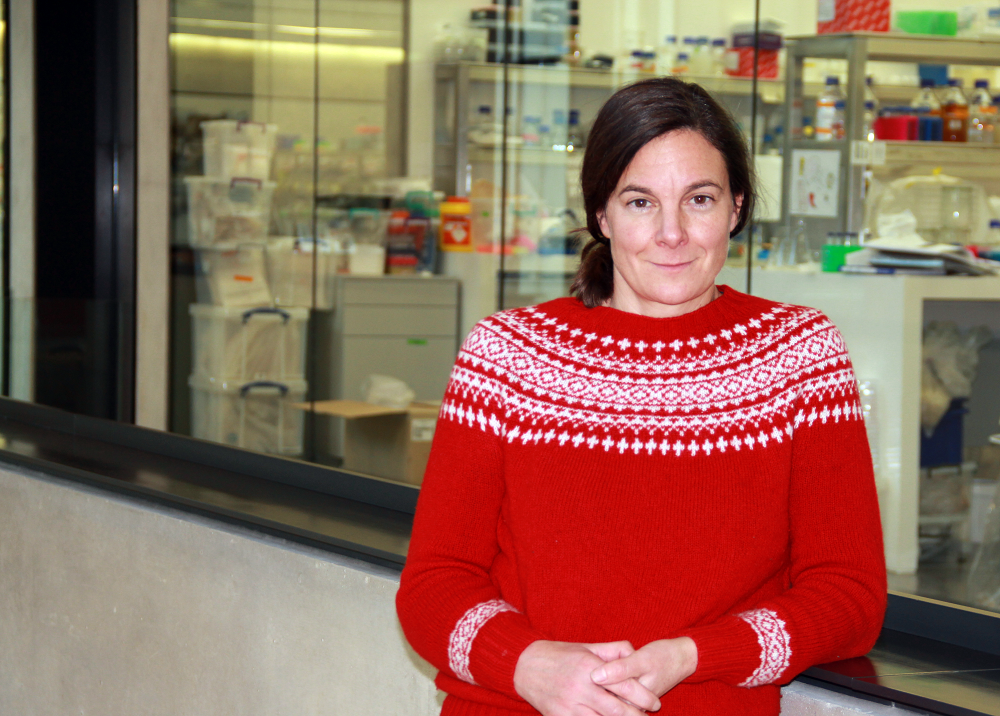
{"points": [[954, 82], [671, 39], [982, 84], [807, 121], [719, 42], [832, 81], [995, 223], [574, 116], [485, 109], [839, 104], [682, 56], [869, 105], [689, 40], [703, 40], [926, 82], [868, 80]]}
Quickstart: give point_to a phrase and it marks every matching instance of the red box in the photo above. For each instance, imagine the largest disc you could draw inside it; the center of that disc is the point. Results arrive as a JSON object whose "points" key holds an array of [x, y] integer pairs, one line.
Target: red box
{"points": [[852, 16], [767, 63]]}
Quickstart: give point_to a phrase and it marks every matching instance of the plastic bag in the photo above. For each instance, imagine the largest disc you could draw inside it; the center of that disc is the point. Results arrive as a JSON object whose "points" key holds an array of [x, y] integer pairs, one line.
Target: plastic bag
{"points": [[387, 391], [951, 357]]}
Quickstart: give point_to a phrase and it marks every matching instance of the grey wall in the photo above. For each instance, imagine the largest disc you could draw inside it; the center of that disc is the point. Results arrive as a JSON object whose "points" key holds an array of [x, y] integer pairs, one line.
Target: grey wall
{"points": [[115, 607]]}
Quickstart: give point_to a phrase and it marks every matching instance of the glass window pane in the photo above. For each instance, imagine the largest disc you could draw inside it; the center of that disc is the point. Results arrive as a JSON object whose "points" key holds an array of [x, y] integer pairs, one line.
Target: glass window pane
{"points": [[880, 177]]}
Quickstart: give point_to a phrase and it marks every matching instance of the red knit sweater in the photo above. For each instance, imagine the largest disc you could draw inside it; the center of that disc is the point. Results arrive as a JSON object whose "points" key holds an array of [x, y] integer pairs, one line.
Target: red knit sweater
{"points": [[599, 475]]}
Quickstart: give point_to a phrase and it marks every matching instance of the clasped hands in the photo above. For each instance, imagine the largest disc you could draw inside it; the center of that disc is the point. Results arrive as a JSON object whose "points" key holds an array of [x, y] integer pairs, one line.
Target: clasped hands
{"points": [[613, 679]]}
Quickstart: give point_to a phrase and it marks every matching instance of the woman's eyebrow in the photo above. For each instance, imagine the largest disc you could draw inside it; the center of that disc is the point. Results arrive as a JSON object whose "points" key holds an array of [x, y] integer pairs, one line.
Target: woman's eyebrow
{"points": [[691, 187]]}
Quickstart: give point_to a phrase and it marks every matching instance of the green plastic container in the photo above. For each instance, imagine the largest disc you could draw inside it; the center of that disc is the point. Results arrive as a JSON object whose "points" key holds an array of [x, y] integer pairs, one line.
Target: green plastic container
{"points": [[834, 256], [927, 22]]}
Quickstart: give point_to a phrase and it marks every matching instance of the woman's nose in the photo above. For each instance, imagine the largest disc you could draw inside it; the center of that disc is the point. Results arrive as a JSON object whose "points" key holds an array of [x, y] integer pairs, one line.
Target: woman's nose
{"points": [[670, 230]]}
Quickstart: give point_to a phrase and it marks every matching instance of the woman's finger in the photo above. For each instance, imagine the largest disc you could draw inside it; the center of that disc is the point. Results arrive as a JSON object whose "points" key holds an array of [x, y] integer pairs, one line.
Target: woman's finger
{"points": [[632, 691], [607, 704], [609, 651], [612, 672]]}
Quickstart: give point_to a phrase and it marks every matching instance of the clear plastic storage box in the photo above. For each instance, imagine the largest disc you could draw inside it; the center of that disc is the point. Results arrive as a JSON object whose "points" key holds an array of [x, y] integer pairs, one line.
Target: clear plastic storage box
{"points": [[249, 344], [234, 276], [228, 211], [257, 415], [290, 271], [237, 149]]}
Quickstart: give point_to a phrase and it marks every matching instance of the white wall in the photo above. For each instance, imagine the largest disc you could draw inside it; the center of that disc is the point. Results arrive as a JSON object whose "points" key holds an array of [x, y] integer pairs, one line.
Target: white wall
{"points": [[116, 607]]}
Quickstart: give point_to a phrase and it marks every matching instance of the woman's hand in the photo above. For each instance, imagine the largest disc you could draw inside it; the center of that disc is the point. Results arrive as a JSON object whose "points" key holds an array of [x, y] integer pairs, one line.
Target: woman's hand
{"points": [[659, 666], [555, 678]]}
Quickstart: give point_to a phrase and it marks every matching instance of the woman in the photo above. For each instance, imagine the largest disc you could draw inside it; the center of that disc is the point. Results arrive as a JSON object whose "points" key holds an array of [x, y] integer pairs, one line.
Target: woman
{"points": [[659, 492]]}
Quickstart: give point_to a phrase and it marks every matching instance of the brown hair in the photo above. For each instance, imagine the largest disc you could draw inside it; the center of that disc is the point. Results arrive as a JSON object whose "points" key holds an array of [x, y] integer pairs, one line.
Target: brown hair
{"points": [[634, 116]]}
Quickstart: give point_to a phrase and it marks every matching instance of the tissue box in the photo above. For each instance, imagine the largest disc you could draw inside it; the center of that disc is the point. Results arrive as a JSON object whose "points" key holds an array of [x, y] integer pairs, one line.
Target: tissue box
{"points": [[394, 443], [852, 16]]}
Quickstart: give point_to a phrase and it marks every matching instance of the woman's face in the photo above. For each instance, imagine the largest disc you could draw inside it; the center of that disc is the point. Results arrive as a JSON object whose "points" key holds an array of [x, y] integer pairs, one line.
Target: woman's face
{"points": [[669, 221]]}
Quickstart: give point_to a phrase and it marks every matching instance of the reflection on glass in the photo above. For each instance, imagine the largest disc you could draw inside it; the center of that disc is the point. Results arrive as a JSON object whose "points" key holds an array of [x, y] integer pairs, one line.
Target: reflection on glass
{"points": [[345, 211], [888, 164]]}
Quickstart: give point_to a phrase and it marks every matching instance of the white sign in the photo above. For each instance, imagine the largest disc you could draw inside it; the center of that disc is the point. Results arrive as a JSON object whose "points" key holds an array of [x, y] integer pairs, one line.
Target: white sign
{"points": [[815, 182]]}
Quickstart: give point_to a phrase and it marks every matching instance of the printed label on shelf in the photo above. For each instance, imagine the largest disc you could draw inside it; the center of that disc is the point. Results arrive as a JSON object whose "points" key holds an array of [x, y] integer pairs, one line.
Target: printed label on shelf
{"points": [[422, 430], [815, 182], [865, 153], [826, 11]]}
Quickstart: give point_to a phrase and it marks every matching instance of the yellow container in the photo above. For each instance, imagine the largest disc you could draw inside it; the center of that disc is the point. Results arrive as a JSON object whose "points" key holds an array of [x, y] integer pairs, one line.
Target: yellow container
{"points": [[456, 224]]}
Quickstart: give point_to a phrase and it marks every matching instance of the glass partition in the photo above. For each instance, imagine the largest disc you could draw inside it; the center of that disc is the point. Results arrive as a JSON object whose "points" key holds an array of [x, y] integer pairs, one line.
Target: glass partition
{"points": [[355, 186], [889, 170]]}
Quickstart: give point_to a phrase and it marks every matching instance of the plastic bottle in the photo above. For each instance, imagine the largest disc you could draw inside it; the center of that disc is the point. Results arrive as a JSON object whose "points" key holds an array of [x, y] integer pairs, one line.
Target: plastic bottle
{"points": [[701, 60], [544, 136], [559, 131], [870, 112], [982, 114], [993, 235], [456, 224], [574, 137], [927, 99], [680, 64], [529, 131], [829, 120], [665, 55], [719, 56], [955, 110]]}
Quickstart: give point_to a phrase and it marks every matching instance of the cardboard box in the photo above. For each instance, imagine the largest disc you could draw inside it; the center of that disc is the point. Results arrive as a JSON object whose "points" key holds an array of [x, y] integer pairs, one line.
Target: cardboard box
{"points": [[852, 16], [386, 442]]}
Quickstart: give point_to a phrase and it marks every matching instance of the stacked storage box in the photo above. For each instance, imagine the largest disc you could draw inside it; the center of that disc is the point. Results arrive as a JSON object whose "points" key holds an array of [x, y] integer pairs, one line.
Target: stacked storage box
{"points": [[248, 353]]}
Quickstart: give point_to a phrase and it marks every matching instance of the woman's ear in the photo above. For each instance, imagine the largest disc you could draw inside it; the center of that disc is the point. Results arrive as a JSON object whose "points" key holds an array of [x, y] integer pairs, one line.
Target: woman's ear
{"points": [[737, 205], [602, 221]]}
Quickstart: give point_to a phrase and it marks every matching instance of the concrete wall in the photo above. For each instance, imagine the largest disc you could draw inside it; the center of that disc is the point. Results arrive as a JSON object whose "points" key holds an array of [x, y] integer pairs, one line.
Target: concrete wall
{"points": [[115, 607]]}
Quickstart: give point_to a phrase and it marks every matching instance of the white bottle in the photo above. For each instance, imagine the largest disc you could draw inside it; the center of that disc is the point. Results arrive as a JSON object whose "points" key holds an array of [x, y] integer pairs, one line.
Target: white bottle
{"points": [[828, 121], [680, 64], [559, 130], [665, 55], [701, 60], [719, 56], [982, 114]]}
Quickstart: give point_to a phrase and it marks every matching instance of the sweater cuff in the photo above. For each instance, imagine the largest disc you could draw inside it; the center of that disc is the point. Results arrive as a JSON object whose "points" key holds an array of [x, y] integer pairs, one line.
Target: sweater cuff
{"points": [[496, 649], [728, 651]]}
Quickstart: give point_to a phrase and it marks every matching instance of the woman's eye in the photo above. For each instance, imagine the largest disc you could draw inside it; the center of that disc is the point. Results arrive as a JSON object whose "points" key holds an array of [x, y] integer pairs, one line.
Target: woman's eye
{"points": [[639, 203], [701, 199]]}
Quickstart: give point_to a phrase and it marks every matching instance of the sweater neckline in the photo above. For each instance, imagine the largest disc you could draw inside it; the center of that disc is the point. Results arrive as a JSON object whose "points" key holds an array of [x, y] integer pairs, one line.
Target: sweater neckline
{"points": [[729, 308]]}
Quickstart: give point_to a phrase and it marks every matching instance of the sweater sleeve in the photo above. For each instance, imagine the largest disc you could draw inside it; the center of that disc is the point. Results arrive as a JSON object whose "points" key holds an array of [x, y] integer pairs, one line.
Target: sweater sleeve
{"points": [[836, 596], [451, 611]]}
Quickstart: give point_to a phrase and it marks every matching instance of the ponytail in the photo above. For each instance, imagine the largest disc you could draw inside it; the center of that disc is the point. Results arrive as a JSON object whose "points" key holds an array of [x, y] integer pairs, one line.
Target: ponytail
{"points": [[594, 282]]}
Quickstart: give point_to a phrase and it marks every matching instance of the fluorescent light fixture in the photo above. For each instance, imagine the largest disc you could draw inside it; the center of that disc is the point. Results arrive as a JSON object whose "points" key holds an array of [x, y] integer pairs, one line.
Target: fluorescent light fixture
{"points": [[327, 50], [342, 32]]}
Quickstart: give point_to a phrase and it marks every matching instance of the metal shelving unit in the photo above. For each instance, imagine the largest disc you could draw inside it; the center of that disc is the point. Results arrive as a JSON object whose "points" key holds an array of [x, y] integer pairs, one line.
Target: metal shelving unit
{"points": [[856, 154]]}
